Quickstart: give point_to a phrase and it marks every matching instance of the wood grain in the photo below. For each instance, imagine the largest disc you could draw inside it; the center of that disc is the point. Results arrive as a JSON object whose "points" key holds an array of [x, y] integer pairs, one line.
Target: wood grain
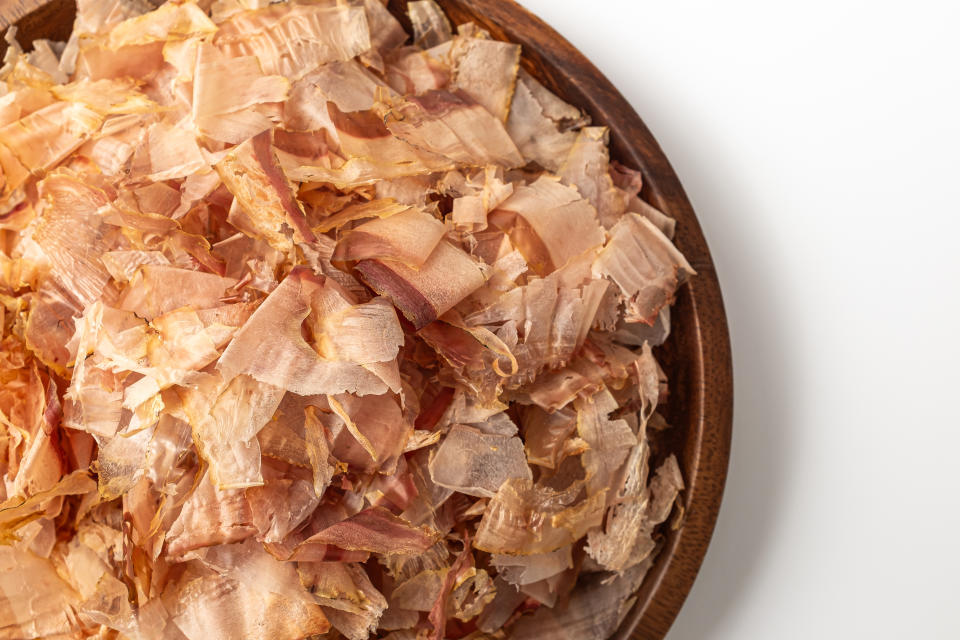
{"points": [[697, 356]]}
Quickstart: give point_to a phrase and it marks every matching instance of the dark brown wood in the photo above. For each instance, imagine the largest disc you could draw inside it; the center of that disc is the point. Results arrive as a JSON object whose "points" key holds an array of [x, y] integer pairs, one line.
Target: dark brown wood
{"points": [[697, 356]]}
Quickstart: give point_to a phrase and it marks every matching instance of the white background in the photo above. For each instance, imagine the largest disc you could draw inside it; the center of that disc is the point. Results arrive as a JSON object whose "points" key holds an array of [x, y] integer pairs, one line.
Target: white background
{"points": [[819, 142]]}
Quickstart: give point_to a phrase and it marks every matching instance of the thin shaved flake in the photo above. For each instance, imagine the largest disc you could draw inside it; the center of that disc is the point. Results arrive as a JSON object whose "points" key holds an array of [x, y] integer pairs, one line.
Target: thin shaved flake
{"points": [[348, 84], [237, 126], [610, 441], [221, 10], [453, 125], [226, 419], [664, 488], [438, 613], [226, 85], [41, 140], [18, 510], [69, 231], [660, 220], [587, 167], [408, 237], [374, 432], [545, 435], [70, 235], [627, 539], [477, 463], [157, 289], [595, 610], [386, 32], [120, 462], [38, 602], [283, 502], [270, 347], [523, 570], [486, 70], [210, 517], [170, 152], [645, 266], [448, 276], [419, 592], [171, 21], [551, 321], [370, 153], [293, 40], [612, 547], [378, 531], [412, 71], [541, 124], [551, 224], [46, 57], [118, 96], [524, 518], [379, 208], [267, 204], [366, 333], [211, 605], [430, 25], [231, 96], [348, 598], [318, 451], [123, 265]]}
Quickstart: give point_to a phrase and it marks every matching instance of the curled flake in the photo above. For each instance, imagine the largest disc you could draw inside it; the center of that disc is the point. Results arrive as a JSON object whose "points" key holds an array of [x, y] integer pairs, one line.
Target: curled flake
{"points": [[448, 276], [408, 237]]}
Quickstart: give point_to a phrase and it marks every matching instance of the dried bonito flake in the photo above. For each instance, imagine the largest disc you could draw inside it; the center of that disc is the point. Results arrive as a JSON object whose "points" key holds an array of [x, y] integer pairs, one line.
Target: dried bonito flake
{"points": [[314, 328]]}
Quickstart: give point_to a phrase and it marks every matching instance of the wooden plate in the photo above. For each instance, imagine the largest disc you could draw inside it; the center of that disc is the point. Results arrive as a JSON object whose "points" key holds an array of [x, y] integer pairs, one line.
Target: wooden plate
{"points": [[697, 355]]}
